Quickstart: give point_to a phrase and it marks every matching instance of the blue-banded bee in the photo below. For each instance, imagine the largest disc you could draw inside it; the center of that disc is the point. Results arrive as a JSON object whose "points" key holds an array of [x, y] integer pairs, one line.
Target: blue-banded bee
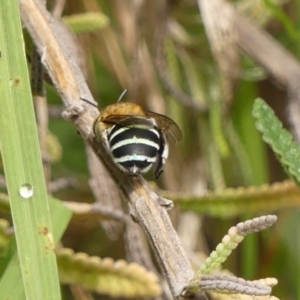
{"points": [[135, 138]]}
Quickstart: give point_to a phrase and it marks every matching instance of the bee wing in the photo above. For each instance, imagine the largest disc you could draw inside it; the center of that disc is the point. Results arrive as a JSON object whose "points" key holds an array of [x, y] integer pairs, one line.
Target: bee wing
{"points": [[167, 125], [127, 120]]}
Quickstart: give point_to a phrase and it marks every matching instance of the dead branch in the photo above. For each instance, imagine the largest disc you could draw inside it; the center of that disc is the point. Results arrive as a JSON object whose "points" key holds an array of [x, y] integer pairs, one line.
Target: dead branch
{"points": [[219, 23], [95, 210], [105, 191], [53, 42], [262, 47], [280, 64]]}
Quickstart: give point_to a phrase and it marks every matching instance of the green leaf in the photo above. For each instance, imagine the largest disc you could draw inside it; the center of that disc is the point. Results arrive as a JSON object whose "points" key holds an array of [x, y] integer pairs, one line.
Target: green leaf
{"points": [[11, 282], [279, 139], [106, 276], [231, 203], [230, 241], [23, 167]]}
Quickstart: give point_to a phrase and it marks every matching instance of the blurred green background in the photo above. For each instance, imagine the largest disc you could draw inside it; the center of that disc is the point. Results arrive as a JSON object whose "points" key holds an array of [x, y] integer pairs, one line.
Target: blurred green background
{"points": [[162, 53]]}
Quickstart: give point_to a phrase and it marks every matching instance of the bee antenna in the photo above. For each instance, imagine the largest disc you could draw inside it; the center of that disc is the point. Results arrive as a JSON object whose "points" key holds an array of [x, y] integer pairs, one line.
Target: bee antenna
{"points": [[89, 102], [122, 95]]}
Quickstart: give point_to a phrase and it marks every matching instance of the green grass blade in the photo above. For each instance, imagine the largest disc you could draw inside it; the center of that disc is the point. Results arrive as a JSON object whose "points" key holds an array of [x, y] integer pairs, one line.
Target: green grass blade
{"points": [[11, 286], [22, 163], [279, 139]]}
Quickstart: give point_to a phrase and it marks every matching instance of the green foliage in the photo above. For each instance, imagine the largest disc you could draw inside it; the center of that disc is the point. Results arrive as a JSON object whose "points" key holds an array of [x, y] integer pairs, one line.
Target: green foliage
{"points": [[253, 158], [231, 203], [220, 149], [23, 167], [87, 22], [229, 242], [223, 250], [290, 29], [105, 276], [280, 140], [217, 127], [4, 237], [11, 280]]}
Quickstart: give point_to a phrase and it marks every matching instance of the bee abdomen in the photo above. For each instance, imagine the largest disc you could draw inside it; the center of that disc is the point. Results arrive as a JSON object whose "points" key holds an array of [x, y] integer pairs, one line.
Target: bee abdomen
{"points": [[134, 149]]}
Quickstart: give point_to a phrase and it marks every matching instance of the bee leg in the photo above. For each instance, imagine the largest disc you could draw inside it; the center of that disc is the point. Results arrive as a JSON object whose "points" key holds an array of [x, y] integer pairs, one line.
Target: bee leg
{"points": [[72, 111], [160, 161], [162, 155], [158, 167], [158, 172]]}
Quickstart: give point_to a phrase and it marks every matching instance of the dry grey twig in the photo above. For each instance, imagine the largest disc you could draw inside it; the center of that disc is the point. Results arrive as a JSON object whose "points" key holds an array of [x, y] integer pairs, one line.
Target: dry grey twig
{"points": [[49, 37], [233, 285]]}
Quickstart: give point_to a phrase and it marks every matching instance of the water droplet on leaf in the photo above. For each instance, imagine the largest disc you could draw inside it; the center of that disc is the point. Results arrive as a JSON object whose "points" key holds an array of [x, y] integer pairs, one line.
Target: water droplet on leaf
{"points": [[26, 190]]}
